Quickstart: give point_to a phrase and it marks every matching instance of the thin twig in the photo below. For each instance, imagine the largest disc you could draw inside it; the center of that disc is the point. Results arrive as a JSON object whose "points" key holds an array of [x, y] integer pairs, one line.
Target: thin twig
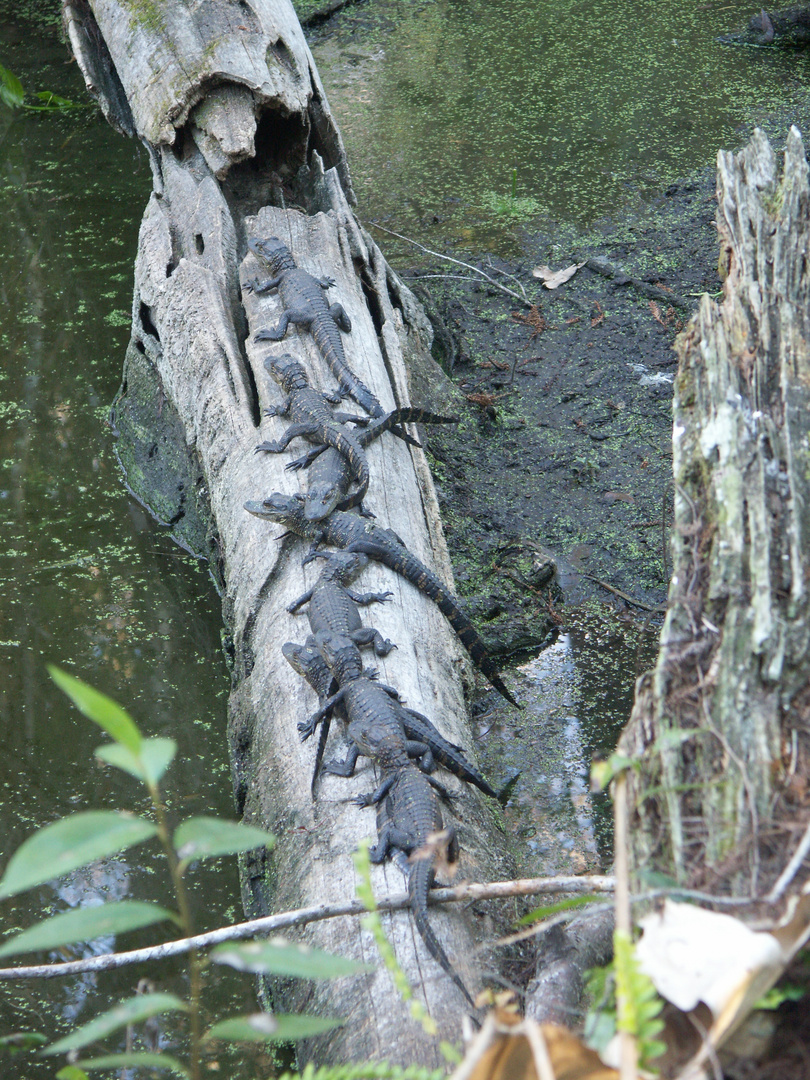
{"points": [[506, 273], [792, 868], [658, 608], [302, 916], [458, 262]]}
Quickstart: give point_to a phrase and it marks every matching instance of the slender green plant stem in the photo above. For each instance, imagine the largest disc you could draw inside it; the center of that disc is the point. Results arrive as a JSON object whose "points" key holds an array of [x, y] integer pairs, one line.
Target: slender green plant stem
{"points": [[184, 910]]}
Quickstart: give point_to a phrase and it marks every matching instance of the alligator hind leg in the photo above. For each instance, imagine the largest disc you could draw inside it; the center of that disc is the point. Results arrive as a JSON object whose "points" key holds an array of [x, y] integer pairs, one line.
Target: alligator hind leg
{"points": [[296, 316], [367, 635]]}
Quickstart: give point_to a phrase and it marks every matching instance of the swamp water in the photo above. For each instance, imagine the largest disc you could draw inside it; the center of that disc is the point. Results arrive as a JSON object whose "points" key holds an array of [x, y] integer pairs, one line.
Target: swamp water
{"points": [[589, 106]]}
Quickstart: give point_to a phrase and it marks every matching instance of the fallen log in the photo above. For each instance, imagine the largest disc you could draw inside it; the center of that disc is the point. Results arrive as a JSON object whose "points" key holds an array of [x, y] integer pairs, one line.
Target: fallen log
{"points": [[228, 102], [720, 726]]}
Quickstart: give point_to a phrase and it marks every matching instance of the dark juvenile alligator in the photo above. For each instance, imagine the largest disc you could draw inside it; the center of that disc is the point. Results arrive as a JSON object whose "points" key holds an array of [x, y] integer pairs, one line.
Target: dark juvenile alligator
{"points": [[363, 698], [352, 533], [330, 474], [345, 664], [308, 662], [302, 298], [409, 820], [314, 420], [333, 606]]}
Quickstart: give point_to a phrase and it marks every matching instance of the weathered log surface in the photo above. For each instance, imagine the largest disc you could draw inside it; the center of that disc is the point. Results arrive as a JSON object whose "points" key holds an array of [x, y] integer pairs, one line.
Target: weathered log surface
{"points": [[192, 345], [731, 688]]}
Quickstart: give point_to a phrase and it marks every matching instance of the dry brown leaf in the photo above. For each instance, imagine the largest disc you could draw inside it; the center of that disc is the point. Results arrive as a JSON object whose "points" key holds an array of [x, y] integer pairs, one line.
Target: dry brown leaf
{"points": [[551, 278], [508, 1048]]}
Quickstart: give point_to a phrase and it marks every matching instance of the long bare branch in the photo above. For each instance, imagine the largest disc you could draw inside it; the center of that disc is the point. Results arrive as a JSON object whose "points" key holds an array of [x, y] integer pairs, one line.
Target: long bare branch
{"points": [[448, 258], [299, 917]]}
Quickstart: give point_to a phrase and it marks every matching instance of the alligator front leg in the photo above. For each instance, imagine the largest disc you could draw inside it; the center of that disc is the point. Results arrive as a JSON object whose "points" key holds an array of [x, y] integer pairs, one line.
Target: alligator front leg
{"points": [[306, 727], [376, 796], [256, 286], [279, 410], [292, 432], [344, 768]]}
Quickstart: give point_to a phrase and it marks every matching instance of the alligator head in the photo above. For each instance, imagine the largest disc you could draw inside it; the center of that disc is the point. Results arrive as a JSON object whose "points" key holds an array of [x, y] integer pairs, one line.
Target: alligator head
{"points": [[342, 566], [277, 507], [288, 372], [272, 251], [342, 656]]}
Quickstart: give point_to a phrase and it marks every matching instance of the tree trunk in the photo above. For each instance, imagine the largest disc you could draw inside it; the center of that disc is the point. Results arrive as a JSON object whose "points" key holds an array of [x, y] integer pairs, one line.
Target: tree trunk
{"points": [[228, 102], [721, 724]]}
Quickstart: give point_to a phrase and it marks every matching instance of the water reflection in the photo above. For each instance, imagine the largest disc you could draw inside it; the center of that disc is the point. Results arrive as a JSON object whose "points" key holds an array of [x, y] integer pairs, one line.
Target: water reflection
{"points": [[578, 695], [462, 119], [88, 580]]}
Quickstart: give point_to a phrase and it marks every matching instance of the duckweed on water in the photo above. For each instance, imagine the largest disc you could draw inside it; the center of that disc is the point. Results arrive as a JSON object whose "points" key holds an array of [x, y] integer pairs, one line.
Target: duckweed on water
{"points": [[459, 116]]}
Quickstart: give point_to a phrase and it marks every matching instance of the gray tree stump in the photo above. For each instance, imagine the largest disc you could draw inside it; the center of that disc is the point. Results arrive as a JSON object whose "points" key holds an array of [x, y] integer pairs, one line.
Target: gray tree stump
{"points": [[721, 723], [227, 99]]}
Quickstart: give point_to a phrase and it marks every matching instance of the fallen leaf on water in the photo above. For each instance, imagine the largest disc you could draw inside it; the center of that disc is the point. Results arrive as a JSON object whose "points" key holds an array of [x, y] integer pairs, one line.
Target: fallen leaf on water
{"points": [[551, 279]]}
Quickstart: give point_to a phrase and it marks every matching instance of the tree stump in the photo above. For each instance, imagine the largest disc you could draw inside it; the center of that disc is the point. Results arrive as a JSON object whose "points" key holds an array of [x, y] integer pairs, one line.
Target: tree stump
{"points": [[721, 724]]}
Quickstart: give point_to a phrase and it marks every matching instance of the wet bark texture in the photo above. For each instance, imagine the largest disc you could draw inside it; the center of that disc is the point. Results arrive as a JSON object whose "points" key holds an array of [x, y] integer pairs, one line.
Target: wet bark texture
{"points": [[228, 102], [721, 724]]}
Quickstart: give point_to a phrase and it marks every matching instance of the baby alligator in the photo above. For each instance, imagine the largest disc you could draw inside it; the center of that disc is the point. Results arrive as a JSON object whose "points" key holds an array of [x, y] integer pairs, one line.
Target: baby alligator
{"points": [[304, 305], [409, 820], [352, 533], [345, 664], [362, 698], [333, 607], [330, 473], [314, 420]]}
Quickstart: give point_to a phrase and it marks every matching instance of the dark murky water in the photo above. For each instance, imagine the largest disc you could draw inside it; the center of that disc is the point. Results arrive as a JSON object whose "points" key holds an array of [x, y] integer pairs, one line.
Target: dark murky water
{"points": [[461, 120], [88, 580], [464, 118]]}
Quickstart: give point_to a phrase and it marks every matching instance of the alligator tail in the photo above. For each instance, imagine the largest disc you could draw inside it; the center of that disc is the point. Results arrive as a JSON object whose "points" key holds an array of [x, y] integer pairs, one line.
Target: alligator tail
{"points": [[353, 452], [324, 331], [408, 566], [408, 415], [418, 884]]}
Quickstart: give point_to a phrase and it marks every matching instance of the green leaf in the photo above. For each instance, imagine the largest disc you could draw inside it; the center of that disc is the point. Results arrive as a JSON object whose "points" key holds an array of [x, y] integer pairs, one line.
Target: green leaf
{"points": [[71, 842], [11, 89], [774, 997], [281, 957], [270, 1027], [85, 924], [99, 708], [552, 909], [131, 1011], [133, 1060], [148, 764], [72, 1072], [53, 101], [205, 837], [20, 1041], [604, 772]]}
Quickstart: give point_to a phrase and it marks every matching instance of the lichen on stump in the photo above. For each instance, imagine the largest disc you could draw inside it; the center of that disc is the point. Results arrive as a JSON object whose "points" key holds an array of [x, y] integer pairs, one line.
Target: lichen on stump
{"points": [[721, 724]]}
